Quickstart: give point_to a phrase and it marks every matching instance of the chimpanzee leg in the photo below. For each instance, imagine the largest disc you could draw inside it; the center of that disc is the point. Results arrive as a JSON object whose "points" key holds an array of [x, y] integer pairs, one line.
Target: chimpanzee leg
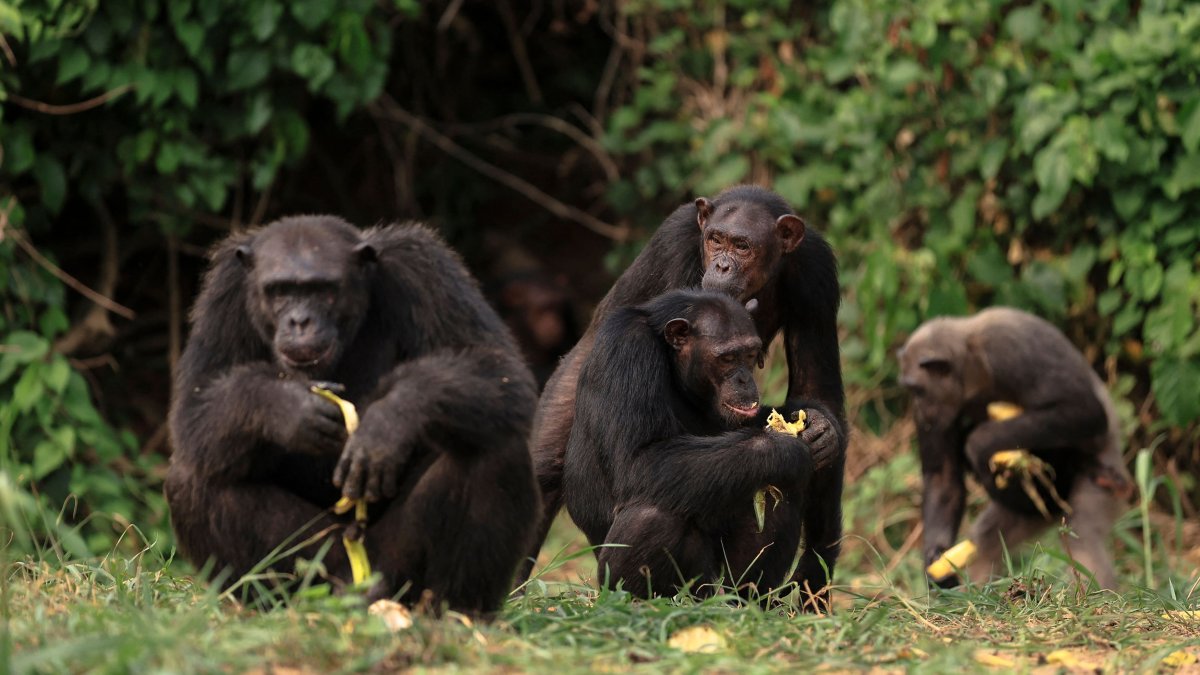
{"points": [[998, 529], [240, 525], [458, 530], [660, 553], [822, 537], [1093, 512], [551, 428]]}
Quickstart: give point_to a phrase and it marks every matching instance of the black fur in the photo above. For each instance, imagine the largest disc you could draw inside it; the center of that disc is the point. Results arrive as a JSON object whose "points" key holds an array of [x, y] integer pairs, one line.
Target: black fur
{"points": [[649, 466], [802, 301], [440, 388]]}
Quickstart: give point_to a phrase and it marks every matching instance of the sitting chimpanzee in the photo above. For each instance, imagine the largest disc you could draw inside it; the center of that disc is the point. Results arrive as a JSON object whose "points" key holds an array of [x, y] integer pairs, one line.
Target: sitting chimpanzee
{"points": [[666, 453], [959, 371], [441, 453], [747, 243]]}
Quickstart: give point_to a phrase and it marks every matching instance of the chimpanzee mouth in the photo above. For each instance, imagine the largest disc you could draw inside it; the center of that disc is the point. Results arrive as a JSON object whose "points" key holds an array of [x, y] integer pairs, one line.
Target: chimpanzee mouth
{"points": [[749, 411], [305, 359]]}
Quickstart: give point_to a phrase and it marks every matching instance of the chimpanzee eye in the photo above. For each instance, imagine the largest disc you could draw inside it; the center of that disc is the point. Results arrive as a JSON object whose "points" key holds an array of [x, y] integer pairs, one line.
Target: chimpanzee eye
{"points": [[729, 359], [742, 246]]}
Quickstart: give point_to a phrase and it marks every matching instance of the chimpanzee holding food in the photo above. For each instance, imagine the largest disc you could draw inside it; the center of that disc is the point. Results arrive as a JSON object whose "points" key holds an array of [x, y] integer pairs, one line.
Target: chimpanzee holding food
{"points": [[391, 317], [746, 242], [666, 457], [1003, 394]]}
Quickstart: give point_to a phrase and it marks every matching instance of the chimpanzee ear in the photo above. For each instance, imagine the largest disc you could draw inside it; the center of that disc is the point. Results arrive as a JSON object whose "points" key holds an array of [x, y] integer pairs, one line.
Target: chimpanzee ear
{"points": [[976, 371], [752, 305], [245, 255], [936, 365], [676, 332], [366, 253], [703, 211], [790, 230]]}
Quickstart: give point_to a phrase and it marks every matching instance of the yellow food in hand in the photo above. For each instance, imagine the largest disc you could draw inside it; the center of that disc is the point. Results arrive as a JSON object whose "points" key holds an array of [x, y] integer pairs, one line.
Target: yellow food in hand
{"points": [[998, 411], [356, 550], [775, 422], [957, 556], [349, 412]]}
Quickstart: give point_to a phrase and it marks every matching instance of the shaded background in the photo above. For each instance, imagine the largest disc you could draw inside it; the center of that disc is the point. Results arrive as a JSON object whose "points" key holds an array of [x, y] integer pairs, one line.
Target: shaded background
{"points": [[958, 154]]}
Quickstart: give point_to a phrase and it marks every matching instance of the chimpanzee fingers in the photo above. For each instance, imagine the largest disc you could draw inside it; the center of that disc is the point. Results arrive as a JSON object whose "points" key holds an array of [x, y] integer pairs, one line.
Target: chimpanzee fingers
{"points": [[353, 486], [373, 487], [391, 475]]}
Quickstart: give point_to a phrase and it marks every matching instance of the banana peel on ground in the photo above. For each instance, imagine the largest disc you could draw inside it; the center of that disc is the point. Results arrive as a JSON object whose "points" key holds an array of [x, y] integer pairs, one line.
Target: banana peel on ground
{"points": [[352, 539], [775, 422]]}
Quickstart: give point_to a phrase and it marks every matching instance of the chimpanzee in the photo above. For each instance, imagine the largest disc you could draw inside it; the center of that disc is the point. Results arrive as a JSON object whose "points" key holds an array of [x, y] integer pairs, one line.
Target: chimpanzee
{"points": [[391, 315], [954, 368], [748, 243], [666, 453], [538, 311]]}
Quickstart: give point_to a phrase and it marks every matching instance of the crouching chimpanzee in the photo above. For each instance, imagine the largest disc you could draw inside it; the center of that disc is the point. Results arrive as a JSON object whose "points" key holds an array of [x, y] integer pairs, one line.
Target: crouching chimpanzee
{"points": [[955, 368], [440, 454], [745, 242], [666, 454]]}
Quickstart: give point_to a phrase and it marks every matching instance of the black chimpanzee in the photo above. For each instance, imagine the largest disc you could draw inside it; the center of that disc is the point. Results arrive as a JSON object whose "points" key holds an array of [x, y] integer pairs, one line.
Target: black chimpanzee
{"points": [[441, 453], [748, 243], [666, 453]]}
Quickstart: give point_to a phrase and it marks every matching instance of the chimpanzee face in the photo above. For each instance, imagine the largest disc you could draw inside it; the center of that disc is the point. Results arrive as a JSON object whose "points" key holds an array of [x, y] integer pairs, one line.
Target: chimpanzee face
{"points": [[743, 244], [716, 354], [942, 373], [309, 293]]}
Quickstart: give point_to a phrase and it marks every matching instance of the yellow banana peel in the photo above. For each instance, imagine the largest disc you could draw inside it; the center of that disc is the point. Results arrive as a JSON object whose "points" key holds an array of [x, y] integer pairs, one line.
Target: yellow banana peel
{"points": [[356, 550], [957, 556], [775, 422]]}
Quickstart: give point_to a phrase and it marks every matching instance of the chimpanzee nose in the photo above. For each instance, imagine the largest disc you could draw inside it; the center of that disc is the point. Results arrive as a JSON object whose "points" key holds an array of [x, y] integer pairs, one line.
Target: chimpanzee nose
{"points": [[722, 267], [298, 322]]}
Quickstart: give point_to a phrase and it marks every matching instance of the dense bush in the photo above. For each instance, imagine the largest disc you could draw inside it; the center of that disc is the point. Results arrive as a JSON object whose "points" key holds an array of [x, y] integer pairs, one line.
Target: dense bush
{"points": [[958, 153]]}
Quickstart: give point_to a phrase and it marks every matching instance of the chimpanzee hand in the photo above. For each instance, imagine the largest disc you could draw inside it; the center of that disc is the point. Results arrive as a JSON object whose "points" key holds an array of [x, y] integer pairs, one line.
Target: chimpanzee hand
{"points": [[374, 457], [821, 435], [308, 423]]}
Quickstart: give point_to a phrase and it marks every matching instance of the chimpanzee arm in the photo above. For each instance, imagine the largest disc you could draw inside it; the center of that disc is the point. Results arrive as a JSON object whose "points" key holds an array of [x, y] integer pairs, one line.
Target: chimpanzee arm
{"points": [[459, 383], [1066, 423], [944, 493], [710, 477], [229, 396]]}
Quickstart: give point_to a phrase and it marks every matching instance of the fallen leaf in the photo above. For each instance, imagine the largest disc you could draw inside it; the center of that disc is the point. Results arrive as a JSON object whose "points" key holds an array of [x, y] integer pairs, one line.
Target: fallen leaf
{"points": [[1179, 659], [395, 615], [697, 639]]}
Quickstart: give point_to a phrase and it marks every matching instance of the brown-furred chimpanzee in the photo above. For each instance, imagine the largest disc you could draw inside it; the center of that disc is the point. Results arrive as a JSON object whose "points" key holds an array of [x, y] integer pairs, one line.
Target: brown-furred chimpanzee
{"points": [[667, 452], [955, 367], [441, 454], [748, 243], [539, 312]]}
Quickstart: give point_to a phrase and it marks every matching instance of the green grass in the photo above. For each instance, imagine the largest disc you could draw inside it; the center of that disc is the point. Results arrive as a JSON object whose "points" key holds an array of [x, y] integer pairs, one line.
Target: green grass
{"points": [[146, 613]]}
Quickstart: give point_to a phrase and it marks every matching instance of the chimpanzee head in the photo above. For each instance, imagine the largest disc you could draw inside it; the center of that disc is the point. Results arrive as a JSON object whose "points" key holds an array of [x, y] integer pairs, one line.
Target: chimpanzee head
{"points": [[944, 369], [716, 351], [308, 290], [746, 231]]}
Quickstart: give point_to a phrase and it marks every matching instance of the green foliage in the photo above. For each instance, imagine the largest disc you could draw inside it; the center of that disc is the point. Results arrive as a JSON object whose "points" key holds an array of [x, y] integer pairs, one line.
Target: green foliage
{"points": [[959, 154], [181, 106]]}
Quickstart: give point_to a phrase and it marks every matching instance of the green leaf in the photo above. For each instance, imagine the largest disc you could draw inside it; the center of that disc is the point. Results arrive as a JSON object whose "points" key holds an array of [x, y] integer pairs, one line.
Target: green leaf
{"points": [[989, 266], [29, 388], [991, 157], [18, 148], [191, 36], [56, 374], [1174, 384], [1186, 176], [903, 73], [1025, 23], [264, 17], [72, 62], [247, 68], [52, 180], [728, 171], [312, 13], [187, 87], [47, 456], [1052, 169], [259, 113], [313, 64], [1190, 133]]}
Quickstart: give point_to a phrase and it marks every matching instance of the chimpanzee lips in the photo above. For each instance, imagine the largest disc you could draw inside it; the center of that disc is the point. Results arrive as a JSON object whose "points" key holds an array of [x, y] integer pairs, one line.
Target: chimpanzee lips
{"points": [[304, 357], [749, 411]]}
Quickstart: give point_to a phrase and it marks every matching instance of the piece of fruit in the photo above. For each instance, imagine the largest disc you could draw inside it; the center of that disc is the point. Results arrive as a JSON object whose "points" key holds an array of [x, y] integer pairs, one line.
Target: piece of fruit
{"points": [[775, 422], [760, 504], [957, 556], [356, 551], [999, 411]]}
